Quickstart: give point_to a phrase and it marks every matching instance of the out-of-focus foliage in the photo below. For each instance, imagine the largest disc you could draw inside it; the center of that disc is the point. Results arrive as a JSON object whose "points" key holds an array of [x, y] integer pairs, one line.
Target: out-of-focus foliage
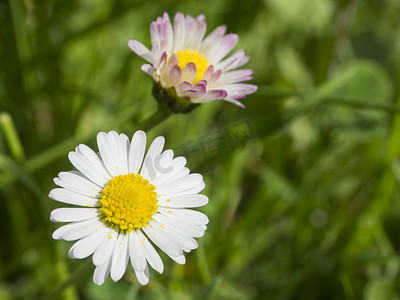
{"points": [[303, 183]]}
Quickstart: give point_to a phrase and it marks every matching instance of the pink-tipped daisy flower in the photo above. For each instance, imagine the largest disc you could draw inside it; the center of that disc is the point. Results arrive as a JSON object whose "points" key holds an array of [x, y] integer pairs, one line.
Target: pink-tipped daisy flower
{"points": [[193, 68]]}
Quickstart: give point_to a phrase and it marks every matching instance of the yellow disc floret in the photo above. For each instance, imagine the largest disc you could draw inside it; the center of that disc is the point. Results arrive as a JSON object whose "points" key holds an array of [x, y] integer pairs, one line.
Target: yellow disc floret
{"points": [[128, 202], [188, 55]]}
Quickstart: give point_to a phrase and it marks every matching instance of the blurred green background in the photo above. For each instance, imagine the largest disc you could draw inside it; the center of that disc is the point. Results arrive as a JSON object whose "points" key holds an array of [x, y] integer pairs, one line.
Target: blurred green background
{"points": [[303, 183]]}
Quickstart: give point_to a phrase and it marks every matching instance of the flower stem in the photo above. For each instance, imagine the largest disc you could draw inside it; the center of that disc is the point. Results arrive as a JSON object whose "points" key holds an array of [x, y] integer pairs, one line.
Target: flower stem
{"points": [[159, 116]]}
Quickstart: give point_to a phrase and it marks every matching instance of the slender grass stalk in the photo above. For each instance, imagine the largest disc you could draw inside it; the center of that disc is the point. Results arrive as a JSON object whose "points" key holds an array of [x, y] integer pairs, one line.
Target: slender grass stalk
{"points": [[13, 141], [330, 100], [202, 264], [74, 278]]}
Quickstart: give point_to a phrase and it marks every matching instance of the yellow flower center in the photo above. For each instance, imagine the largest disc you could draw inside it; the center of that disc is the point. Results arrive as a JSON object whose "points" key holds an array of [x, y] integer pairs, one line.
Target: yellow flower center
{"points": [[128, 202], [188, 55]]}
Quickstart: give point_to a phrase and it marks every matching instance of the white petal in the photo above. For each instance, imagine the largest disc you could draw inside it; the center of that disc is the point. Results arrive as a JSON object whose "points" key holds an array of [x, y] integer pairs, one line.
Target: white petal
{"points": [[76, 182], [86, 246], [177, 164], [188, 215], [69, 214], [83, 230], [59, 233], [182, 201], [107, 150], [195, 190], [125, 145], [150, 253], [143, 277], [101, 273], [105, 249], [186, 228], [120, 258], [161, 242], [94, 159], [179, 259], [176, 235], [179, 185], [66, 196], [113, 150], [148, 170], [88, 169], [162, 164], [136, 151], [181, 173], [136, 248]]}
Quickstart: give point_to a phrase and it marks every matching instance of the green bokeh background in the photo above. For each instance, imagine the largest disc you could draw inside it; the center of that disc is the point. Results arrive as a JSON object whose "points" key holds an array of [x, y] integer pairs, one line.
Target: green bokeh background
{"points": [[303, 183]]}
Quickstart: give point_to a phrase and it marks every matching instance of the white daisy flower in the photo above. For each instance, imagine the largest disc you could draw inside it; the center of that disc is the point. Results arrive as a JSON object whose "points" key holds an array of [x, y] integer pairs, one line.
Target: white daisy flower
{"points": [[195, 68], [127, 205]]}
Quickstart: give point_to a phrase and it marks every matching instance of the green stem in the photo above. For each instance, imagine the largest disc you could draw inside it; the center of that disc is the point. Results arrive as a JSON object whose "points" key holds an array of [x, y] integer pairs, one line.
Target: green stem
{"points": [[159, 116], [12, 138]]}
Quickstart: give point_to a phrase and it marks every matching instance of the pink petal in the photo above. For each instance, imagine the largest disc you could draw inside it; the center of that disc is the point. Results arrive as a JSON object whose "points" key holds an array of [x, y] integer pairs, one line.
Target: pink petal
{"points": [[234, 101], [149, 70], [163, 60], [203, 82], [237, 60], [161, 34], [200, 87], [156, 53], [195, 30], [185, 89], [208, 73], [141, 50], [222, 48], [239, 90], [155, 34], [173, 60], [179, 31], [175, 75], [213, 38], [235, 76], [211, 96], [167, 35], [189, 72], [215, 76]]}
